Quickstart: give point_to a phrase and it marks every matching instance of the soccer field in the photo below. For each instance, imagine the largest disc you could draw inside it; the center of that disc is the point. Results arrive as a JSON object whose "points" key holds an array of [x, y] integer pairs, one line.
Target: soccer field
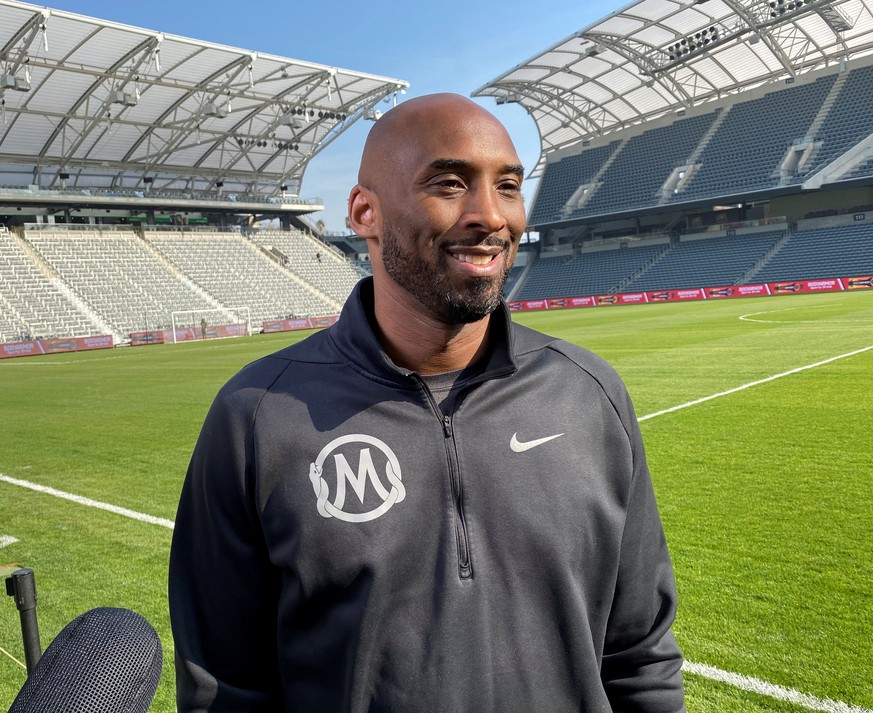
{"points": [[756, 416]]}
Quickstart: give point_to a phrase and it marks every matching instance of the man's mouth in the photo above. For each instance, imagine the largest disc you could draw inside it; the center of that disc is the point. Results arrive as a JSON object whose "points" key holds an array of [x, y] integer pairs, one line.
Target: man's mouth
{"points": [[473, 258], [479, 254]]}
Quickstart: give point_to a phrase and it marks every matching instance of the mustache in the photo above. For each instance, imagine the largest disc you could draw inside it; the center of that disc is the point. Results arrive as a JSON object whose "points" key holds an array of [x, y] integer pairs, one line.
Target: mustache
{"points": [[489, 241]]}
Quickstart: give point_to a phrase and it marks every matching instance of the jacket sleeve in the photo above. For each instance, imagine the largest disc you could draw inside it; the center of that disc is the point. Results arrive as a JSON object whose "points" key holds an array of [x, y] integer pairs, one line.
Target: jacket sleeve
{"points": [[641, 668], [222, 587]]}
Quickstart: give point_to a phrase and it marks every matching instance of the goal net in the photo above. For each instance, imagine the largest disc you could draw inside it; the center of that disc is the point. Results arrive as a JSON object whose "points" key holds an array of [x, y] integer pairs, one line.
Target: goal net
{"points": [[211, 323]]}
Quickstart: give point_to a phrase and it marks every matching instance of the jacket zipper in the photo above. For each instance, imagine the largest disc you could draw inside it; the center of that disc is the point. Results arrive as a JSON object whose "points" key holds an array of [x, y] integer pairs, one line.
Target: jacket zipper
{"points": [[465, 566]]}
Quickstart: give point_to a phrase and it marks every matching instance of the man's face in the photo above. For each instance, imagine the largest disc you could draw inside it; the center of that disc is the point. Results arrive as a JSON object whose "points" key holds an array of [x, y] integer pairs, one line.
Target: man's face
{"points": [[452, 217]]}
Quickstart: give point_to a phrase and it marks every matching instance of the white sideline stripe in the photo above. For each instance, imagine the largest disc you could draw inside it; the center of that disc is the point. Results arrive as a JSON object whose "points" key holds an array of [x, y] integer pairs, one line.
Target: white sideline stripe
{"points": [[746, 683], [751, 384], [755, 685], [6, 653], [132, 514], [6, 540]]}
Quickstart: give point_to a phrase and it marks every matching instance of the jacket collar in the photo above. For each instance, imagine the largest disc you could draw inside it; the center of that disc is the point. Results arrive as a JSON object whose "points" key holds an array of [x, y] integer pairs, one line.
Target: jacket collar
{"points": [[354, 337]]}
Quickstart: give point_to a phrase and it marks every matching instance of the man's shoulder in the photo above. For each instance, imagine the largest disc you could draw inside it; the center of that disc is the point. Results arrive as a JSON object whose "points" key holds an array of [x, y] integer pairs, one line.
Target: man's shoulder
{"points": [[575, 361], [530, 341], [258, 376]]}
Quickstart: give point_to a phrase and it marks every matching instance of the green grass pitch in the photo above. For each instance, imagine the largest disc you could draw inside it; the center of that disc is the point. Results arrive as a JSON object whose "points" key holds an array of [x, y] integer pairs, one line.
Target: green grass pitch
{"points": [[766, 493]]}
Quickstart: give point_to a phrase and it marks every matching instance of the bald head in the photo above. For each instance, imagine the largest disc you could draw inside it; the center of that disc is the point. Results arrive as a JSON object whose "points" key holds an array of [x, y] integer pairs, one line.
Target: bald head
{"points": [[439, 201], [395, 139]]}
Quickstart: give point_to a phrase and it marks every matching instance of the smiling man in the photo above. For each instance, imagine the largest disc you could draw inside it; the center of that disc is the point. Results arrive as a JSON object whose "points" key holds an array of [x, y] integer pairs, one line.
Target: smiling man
{"points": [[425, 507], [440, 203]]}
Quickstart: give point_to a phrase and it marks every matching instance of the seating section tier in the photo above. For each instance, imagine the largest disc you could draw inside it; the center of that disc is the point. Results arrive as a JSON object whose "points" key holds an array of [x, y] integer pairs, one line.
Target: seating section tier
{"points": [[563, 178], [730, 151], [839, 251], [591, 273], [707, 262], [236, 272], [746, 152], [116, 275], [32, 305], [314, 261], [848, 121], [635, 178]]}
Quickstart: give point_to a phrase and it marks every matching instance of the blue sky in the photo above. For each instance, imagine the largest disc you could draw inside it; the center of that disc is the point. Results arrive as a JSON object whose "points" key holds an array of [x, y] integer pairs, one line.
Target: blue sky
{"points": [[450, 46]]}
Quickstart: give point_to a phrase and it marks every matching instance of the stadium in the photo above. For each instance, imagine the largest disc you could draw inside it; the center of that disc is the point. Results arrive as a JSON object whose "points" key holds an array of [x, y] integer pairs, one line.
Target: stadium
{"points": [[702, 219]]}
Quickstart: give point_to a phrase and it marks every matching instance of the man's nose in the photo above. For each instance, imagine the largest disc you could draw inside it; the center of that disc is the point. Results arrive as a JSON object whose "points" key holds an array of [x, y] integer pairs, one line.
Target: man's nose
{"points": [[483, 210]]}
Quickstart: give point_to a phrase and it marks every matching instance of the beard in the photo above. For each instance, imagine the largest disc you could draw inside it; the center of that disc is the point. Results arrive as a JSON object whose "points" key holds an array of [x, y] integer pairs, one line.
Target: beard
{"points": [[430, 283]]}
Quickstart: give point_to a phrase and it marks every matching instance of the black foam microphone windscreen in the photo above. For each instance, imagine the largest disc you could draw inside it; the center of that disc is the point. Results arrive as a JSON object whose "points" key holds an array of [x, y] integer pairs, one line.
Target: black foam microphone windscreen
{"points": [[104, 661]]}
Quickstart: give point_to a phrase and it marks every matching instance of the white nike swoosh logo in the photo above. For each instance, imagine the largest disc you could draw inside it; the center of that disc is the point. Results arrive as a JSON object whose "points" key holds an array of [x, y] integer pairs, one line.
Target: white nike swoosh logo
{"points": [[520, 447]]}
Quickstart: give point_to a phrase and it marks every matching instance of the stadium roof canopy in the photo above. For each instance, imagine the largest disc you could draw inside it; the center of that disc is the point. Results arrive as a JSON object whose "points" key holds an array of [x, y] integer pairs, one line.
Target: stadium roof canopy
{"points": [[653, 57], [88, 103]]}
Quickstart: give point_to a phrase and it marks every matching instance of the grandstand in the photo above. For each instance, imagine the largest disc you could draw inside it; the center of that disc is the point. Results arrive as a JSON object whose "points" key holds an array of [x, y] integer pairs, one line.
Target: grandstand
{"points": [[238, 272], [34, 302], [136, 168], [672, 166], [314, 261], [693, 145]]}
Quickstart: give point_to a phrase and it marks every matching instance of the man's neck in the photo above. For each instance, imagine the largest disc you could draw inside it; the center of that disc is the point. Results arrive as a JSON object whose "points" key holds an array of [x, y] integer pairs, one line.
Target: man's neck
{"points": [[418, 342]]}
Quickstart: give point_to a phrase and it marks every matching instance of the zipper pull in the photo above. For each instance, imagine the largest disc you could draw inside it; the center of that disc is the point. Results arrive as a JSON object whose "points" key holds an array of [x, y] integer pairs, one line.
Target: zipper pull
{"points": [[447, 426]]}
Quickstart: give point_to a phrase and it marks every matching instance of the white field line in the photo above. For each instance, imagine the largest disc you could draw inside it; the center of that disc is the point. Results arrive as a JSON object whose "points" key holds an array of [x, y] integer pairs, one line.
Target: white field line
{"points": [[752, 383], [6, 540], [737, 680], [6, 653], [750, 317], [132, 514], [763, 688]]}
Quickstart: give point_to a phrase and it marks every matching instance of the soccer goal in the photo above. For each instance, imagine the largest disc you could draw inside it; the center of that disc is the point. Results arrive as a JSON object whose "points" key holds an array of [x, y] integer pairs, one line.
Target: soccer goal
{"points": [[193, 324]]}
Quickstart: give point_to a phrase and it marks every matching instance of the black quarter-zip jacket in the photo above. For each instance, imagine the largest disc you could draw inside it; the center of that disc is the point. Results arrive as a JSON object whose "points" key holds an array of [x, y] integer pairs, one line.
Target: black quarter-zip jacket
{"points": [[341, 545]]}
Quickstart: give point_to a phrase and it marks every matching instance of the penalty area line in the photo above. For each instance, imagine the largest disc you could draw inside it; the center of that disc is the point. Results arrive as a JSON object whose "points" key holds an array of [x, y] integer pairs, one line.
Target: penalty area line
{"points": [[766, 380], [756, 685], [132, 514]]}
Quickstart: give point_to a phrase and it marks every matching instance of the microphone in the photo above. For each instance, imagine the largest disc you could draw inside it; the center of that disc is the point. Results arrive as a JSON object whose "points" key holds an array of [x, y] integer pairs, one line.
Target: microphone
{"points": [[104, 661]]}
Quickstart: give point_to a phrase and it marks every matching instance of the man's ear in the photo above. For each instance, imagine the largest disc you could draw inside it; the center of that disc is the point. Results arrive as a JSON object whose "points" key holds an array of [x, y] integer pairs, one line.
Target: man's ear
{"points": [[364, 212]]}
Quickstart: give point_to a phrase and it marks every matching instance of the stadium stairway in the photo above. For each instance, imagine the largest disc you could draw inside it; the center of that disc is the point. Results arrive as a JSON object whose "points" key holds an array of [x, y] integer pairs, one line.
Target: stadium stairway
{"points": [[105, 327], [749, 277]]}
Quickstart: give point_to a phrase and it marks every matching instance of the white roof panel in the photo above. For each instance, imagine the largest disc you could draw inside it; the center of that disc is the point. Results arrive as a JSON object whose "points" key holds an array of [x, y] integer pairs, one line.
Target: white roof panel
{"points": [[659, 56], [93, 98], [24, 135]]}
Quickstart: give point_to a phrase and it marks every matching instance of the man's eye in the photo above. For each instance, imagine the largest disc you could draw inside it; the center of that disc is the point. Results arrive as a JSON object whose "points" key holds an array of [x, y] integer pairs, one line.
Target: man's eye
{"points": [[509, 188]]}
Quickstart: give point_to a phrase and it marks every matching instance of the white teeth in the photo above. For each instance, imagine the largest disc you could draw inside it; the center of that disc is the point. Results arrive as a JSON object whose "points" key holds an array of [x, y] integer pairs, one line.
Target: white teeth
{"points": [[474, 259]]}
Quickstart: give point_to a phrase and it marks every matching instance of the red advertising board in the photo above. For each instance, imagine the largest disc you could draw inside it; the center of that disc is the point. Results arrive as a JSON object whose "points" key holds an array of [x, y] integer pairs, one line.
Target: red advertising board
{"points": [[55, 346], [632, 298], [863, 282], [859, 283], [694, 293], [321, 322], [186, 334], [736, 291], [290, 325], [78, 344], [527, 305], [227, 330], [623, 298], [561, 302], [17, 349], [138, 339], [285, 325], [795, 287]]}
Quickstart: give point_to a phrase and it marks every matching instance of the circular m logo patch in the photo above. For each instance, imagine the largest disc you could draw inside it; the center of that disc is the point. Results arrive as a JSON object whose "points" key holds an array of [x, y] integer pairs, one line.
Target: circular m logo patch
{"points": [[374, 497]]}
